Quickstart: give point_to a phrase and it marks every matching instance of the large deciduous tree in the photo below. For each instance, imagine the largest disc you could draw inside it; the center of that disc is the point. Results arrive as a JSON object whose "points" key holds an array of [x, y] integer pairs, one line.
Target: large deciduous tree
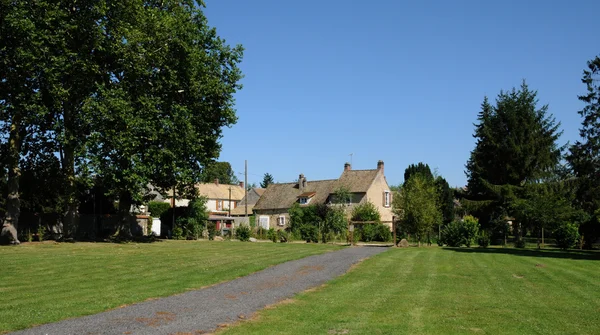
{"points": [[221, 171], [136, 92], [516, 144], [584, 155]]}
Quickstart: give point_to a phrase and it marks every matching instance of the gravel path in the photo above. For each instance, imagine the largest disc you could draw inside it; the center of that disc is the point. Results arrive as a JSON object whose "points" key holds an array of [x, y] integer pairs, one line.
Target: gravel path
{"points": [[203, 310]]}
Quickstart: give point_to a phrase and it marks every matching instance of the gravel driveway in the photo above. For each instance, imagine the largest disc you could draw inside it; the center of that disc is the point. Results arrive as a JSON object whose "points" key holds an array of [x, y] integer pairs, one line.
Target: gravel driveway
{"points": [[203, 310]]}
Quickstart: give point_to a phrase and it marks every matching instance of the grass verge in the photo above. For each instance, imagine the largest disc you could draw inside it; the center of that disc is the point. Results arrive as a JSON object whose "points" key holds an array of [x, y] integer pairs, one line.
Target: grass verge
{"points": [[46, 282], [448, 291]]}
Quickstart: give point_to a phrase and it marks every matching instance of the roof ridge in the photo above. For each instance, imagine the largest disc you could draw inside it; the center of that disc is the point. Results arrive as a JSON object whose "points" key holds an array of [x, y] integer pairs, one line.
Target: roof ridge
{"points": [[362, 170]]}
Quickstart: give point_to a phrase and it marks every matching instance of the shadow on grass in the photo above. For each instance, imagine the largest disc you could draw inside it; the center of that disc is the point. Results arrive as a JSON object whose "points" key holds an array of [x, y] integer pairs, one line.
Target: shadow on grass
{"points": [[548, 253]]}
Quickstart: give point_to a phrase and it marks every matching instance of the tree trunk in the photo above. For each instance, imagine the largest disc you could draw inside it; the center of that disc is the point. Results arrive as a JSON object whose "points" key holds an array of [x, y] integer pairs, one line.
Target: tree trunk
{"points": [[71, 221], [127, 219], [11, 223]]}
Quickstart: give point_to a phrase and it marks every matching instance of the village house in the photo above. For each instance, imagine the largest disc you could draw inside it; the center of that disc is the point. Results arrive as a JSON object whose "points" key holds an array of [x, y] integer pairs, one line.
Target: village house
{"points": [[244, 208], [222, 199], [272, 209]]}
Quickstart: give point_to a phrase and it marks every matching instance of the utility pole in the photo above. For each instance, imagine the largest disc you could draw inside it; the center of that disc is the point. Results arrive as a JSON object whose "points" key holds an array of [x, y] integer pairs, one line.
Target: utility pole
{"points": [[351, 159], [246, 189]]}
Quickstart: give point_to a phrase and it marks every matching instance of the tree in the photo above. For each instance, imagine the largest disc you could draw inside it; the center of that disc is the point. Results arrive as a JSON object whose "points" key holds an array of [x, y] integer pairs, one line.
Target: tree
{"points": [[417, 168], [366, 212], [419, 206], [445, 199], [221, 171], [516, 145], [134, 92], [584, 156], [267, 180]]}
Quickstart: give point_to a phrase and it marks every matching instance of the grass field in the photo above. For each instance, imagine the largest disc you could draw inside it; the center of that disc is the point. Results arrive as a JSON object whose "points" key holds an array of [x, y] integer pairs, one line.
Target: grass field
{"points": [[41, 283], [447, 291]]}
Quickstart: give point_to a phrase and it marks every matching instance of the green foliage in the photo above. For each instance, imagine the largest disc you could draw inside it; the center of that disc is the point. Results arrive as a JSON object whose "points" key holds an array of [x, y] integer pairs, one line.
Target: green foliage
{"points": [[132, 92], [445, 199], [261, 233], [461, 232], [219, 170], [41, 232], [243, 233], [418, 207], [420, 168], [520, 243], [283, 236], [366, 212], [267, 180], [566, 235], [317, 222], [470, 229], [452, 234], [211, 226], [309, 233], [483, 240], [516, 145], [375, 232], [157, 208], [272, 235], [585, 155], [177, 233]]}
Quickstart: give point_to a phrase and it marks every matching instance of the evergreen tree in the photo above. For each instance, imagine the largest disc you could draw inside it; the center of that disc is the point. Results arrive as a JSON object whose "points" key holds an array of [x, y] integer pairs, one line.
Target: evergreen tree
{"points": [[417, 168], [516, 145], [267, 180], [584, 155]]}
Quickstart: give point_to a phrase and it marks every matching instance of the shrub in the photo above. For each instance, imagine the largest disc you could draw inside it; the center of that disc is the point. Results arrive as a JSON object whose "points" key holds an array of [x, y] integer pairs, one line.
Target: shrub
{"points": [[272, 235], [157, 208], [243, 233], [309, 233], [566, 235], [520, 243], [260, 233], [282, 236], [177, 233], [483, 240], [452, 234], [366, 212], [470, 229], [211, 226]]}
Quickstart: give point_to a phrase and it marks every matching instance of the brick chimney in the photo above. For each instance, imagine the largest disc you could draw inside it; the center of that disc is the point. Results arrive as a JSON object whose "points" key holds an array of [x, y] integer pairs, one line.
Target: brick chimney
{"points": [[380, 166], [301, 182], [347, 167], [217, 181], [241, 184]]}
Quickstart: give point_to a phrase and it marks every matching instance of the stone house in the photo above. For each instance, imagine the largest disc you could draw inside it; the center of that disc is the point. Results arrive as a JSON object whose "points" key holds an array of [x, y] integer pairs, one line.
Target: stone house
{"points": [[272, 209], [240, 212]]}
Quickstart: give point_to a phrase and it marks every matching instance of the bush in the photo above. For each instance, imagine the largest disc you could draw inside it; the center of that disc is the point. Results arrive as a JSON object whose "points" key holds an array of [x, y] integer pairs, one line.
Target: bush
{"points": [[366, 212], [452, 234], [211, 226], [566, 235], [157, 208], [177, 233], [483, 240], [272, 235], [309, 233], [374, 232], [243, 233], [470, 229], [260, 233], [282, 236], [520, 243]]}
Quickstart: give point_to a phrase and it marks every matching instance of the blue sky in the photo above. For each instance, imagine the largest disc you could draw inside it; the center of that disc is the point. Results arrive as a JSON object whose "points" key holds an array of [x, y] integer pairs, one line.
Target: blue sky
{"points": [[398, 81]]}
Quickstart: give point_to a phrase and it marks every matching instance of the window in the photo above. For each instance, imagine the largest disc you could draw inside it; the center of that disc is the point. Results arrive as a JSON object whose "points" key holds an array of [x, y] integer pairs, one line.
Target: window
{"points": [[281, 221], [386, 199], [264, 221], [219, 205], [304, 200]]}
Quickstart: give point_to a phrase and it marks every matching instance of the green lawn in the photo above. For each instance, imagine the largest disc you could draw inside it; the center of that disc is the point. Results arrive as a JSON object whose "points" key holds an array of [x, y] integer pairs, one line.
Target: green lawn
{"points": [[448, 291], [41, 283]]}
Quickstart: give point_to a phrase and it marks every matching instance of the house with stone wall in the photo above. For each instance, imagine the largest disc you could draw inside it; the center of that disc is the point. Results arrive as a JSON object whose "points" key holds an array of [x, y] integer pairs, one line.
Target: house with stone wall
{"points": [[272, 209]]}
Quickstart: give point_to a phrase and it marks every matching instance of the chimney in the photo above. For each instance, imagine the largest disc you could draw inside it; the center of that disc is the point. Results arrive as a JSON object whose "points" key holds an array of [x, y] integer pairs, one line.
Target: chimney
{"points": [[217, 181], [301, 182], [380, 166], [347, 167], [241, 184]]}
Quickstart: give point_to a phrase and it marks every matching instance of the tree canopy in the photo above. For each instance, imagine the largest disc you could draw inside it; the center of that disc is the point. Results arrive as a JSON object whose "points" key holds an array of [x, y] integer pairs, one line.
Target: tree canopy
{"points": [[516, 144], [132, 93], [267, 180], [221, 171]]}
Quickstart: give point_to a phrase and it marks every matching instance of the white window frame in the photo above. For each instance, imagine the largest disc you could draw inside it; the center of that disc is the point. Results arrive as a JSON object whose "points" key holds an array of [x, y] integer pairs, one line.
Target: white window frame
{"points": [[304, 200], [263, 221], [387, 202], [281, 221]]}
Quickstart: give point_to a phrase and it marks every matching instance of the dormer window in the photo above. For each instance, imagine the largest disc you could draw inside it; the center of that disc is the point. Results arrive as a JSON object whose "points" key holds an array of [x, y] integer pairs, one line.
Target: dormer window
{"points": [[304, 198]]}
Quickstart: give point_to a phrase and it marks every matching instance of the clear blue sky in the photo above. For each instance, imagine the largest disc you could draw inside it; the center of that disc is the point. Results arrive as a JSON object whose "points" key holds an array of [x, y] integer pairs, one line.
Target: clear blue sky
{"points": [[400, 81]]}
